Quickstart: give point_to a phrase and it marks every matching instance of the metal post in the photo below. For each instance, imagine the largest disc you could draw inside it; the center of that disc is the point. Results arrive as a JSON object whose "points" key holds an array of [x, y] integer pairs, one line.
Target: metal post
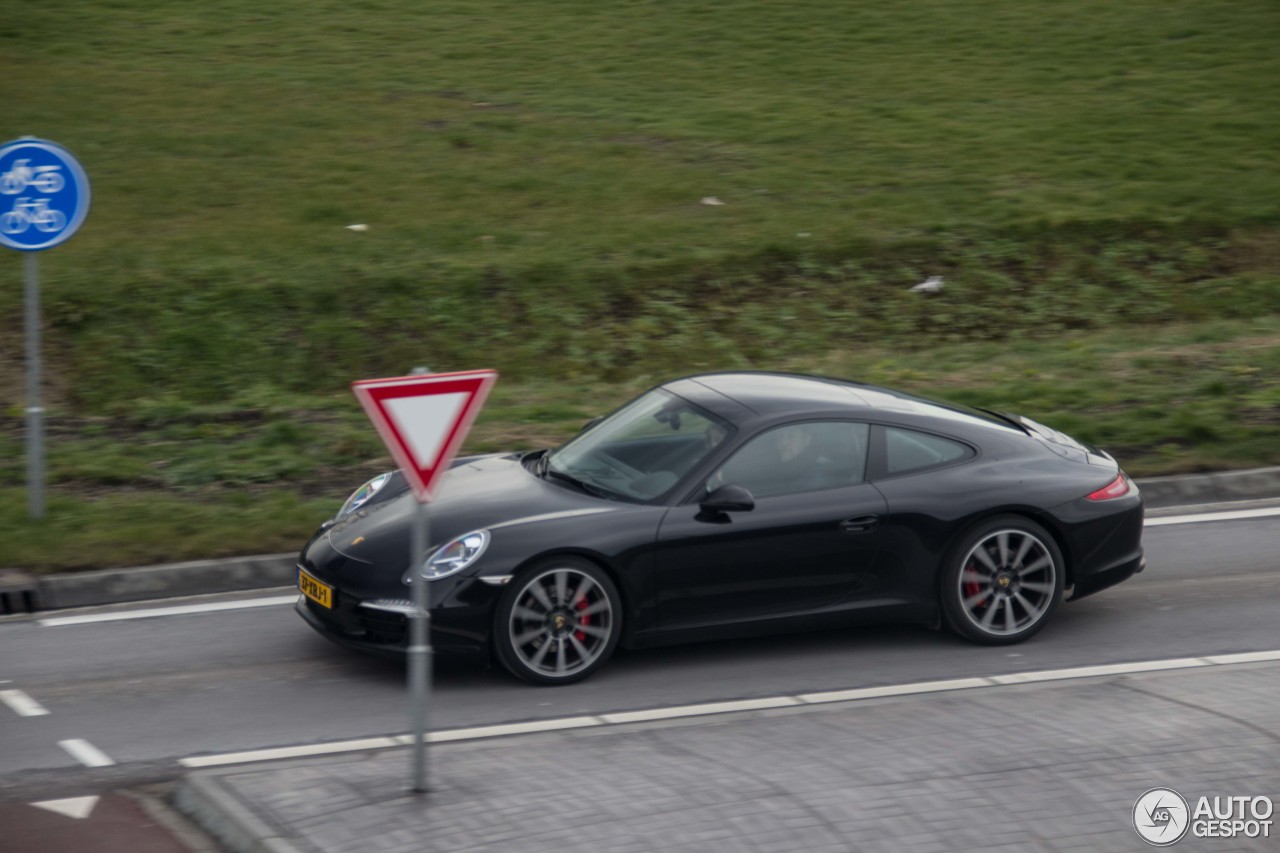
{"points": [[419, 646], [35, 412]]}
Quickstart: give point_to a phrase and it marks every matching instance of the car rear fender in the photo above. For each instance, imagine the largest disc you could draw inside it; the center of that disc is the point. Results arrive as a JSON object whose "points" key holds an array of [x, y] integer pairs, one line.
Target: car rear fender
{"points": [[1031, 514]]}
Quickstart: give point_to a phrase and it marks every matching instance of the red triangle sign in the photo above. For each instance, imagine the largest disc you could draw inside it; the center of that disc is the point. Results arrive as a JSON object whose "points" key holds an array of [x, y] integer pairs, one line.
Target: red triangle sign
{"points": [[423, 419]]}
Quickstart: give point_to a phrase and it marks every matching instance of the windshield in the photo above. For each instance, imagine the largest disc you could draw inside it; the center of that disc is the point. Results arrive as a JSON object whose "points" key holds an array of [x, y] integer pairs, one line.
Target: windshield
{"points": [[642, 450]]}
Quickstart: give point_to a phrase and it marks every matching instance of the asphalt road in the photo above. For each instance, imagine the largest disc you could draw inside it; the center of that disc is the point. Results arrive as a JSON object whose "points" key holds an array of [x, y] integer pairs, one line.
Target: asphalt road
{"points": [[146, 692]]}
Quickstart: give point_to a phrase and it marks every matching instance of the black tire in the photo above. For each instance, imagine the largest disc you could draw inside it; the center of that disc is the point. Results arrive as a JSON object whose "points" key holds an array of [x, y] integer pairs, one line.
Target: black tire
{"points": [[557, 622], [1002, 581]]}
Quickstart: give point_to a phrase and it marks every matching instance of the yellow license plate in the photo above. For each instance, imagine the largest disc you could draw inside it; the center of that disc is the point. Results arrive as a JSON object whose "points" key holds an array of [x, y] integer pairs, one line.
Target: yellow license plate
{"points": [[320, 593]]}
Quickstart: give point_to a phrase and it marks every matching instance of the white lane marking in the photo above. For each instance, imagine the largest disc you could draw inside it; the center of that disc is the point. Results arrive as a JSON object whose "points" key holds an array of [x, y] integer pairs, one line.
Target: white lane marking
{"points": [[1094, 671], [1233, 515], [1244, 657], [916, 688], [699, 710], [505, 729], [86, 753], [181, 610], [385, 742], [894, 690], [289, 752], [22, 704]]}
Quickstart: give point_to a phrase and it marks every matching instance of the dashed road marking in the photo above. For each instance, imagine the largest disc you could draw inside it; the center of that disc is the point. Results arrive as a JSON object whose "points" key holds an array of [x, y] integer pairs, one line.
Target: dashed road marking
{"points": [[711, 708], [22, 704], [86, 753]]}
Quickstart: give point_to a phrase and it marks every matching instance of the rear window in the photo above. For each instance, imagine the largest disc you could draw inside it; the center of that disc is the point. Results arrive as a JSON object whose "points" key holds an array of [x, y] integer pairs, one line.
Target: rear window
{"points": [[908, 450]]}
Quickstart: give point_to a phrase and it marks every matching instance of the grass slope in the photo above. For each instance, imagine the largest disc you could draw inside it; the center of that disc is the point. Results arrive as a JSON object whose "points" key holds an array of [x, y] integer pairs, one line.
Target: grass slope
{"points": [[1093, 179]]}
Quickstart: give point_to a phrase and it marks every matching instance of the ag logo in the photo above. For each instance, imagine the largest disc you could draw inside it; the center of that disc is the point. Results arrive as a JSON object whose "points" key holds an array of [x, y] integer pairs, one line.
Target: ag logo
{"points": [[1161, 816]]}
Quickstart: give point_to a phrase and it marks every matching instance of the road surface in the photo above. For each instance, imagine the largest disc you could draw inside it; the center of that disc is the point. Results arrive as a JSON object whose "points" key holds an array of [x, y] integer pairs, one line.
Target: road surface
{"points": [[132, 697]]}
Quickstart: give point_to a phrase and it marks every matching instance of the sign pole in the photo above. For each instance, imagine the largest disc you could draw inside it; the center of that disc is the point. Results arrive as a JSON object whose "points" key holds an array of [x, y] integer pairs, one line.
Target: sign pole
{"points": [[46, 193], [422, 419], [35, 411], [419, 645]]}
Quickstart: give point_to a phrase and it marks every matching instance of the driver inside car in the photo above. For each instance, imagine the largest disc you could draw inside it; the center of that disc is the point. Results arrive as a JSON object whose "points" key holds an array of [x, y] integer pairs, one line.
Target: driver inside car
{"points": [[779, 462]]}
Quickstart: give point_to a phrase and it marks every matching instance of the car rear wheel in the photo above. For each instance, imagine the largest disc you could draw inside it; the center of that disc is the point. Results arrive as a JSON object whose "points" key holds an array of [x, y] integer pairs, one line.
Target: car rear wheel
{"points": [[558, 622], [1003, 581]]}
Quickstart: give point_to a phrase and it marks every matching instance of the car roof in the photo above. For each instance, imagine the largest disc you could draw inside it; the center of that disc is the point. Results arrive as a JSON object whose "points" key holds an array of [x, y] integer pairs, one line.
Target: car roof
{"points": [[768, 394]]}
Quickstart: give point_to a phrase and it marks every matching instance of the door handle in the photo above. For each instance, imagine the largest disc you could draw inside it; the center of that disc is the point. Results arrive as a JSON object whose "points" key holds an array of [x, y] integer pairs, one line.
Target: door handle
{"points": [[861, 524]]}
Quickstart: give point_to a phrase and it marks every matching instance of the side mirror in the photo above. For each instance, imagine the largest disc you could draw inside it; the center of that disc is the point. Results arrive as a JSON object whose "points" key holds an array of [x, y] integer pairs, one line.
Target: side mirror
{"points": [[728, 498], [589, 424]]}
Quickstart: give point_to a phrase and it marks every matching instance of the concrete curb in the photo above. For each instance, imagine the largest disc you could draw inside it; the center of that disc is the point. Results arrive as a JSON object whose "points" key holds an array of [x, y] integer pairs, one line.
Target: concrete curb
{"points": [[202, 798], [1159, 492], [200, 577]]}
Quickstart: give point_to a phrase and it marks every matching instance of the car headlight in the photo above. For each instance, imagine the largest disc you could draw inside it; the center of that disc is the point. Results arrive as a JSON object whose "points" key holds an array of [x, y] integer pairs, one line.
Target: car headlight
{"points": [[454, 556], [364, 494]]}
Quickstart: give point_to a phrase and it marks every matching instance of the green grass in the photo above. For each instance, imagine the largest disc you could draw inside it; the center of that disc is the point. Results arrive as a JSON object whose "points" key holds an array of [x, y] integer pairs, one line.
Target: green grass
{"points": [[186, 481], [1087, 176]]}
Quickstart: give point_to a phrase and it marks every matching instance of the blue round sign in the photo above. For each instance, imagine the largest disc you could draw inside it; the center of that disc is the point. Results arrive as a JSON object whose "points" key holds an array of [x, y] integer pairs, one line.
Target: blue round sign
{"points": [[44, 194]]}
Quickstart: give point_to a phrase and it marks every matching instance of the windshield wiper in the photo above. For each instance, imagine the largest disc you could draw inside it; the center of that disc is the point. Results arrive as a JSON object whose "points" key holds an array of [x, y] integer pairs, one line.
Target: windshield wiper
{"points": [[581, 484]]}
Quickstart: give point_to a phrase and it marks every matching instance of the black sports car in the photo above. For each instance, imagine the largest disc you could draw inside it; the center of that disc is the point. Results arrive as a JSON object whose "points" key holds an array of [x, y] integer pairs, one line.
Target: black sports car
{"points": [[728, 504]]}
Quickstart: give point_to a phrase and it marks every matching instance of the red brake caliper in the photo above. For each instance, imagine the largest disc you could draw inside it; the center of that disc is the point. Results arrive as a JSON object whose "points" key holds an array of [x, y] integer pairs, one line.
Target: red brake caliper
{"points": [[971, 587], [582, 620]]}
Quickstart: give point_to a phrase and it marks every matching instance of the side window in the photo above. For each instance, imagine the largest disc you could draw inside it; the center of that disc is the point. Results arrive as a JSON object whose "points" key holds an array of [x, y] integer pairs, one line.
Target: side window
{"points": [[798, 458], [907, 450]]}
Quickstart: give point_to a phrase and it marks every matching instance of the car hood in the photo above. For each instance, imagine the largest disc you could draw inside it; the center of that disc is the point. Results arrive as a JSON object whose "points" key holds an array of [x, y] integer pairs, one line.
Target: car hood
{"points": [[490, 492]]}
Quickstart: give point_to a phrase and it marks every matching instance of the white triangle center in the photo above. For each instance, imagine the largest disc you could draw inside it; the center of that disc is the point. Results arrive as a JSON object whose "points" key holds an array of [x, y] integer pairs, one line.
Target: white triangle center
{"points": [[76, 807], [425, 422]]}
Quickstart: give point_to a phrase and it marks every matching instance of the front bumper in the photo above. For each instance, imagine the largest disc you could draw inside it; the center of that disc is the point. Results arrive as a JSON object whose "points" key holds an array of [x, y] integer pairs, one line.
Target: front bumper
{"points": [[461, 618]]}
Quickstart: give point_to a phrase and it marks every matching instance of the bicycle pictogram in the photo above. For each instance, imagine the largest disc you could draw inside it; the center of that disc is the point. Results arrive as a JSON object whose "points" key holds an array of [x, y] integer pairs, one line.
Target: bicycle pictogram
{"points": [[26, 213], [44, 194], [46, 179]]}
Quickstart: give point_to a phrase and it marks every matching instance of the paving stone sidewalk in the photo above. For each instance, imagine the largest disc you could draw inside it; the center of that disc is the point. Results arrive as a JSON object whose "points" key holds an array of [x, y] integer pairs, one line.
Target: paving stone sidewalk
{"points": [[1054, 766]]}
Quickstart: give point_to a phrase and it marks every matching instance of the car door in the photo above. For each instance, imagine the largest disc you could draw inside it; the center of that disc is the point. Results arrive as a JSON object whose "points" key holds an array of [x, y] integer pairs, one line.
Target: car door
{"points": [[810, 541]]}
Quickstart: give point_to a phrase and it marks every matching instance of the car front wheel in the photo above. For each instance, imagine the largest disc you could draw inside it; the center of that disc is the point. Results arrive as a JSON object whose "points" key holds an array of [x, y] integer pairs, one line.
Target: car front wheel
{"points": [[557, 622], [1002, 581]]}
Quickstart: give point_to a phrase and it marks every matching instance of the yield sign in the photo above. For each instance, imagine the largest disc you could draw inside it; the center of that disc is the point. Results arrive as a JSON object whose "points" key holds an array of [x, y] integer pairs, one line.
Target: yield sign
{"points": [[423, 419]]}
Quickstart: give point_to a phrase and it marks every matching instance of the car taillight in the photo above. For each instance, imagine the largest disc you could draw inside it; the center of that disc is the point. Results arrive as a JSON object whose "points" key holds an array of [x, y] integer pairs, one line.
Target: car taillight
{"points": [[1117, 488]]}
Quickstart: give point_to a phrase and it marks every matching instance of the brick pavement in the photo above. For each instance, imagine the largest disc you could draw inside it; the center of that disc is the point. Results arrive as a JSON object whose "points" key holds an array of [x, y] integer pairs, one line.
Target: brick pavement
{"points": [[133, 821], [1053, 766]]}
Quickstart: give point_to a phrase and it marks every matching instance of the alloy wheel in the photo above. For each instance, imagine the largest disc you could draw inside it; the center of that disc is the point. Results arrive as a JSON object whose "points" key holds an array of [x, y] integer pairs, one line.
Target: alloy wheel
{"points": [[1007, 582], [562, 621]]}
